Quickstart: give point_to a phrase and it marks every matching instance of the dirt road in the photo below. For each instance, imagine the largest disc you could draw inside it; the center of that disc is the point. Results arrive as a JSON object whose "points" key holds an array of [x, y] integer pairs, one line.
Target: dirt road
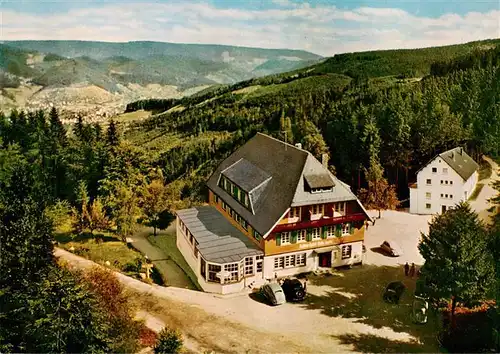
{"points": [[184, 309], [481, 204], [319, 325]]}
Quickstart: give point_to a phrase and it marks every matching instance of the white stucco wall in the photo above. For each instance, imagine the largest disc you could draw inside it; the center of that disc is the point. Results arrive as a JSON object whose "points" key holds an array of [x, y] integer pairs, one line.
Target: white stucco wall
{"points": [[413, 200], [455, 191], [356, 255], [269, 271], [312, 261], [186, 250]]}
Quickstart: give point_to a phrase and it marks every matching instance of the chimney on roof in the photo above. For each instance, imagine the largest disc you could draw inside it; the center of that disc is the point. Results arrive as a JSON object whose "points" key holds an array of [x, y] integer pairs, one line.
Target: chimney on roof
{"points": [[324, 160], [298, 145], [461, 151], [453, 156]]}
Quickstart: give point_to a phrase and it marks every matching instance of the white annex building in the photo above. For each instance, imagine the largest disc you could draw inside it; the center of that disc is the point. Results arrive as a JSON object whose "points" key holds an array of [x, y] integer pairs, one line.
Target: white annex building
{"points": [[446, 180]]}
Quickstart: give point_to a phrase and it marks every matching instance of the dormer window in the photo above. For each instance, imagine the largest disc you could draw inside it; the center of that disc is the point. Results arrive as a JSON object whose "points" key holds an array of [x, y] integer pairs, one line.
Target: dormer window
{"points": [[320, 183], [245, 182], [237, 193], [321, 190]]}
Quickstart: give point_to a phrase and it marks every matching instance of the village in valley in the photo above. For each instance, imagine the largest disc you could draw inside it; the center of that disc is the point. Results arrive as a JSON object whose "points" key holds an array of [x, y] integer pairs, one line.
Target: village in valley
{"points": [[236, 197]]}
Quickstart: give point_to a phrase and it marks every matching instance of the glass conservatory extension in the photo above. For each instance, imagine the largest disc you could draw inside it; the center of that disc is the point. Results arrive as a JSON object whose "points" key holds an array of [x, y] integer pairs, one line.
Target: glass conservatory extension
{"points": [[231, 272], [215, 249]]}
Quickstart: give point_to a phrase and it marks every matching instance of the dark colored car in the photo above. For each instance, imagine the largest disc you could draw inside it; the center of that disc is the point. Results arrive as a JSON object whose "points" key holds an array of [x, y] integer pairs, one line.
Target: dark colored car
{"points": [[293, 289], [393, 292], [391, 248]]}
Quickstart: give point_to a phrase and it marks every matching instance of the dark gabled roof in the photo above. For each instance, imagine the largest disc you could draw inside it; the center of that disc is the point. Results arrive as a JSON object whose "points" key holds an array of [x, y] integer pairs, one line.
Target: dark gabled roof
{"points": [[319, 181], [283, 162], [246, 175], [458, 160], [286, 165], [462, 163], [217, 239]]}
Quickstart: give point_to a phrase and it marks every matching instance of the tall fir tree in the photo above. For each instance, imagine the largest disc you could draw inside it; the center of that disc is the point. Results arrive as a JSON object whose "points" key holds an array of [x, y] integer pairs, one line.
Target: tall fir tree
{"points": [[112, 138], [79, 128], [57, 129], [458, 265]]}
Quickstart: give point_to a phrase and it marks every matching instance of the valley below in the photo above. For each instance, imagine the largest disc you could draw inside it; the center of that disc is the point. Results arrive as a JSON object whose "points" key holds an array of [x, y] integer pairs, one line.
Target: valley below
{"points": [[94, 103], [97, 80]]}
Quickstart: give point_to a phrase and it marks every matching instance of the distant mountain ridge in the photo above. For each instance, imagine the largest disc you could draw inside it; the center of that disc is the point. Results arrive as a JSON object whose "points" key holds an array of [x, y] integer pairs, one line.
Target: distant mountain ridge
{"points": [[144, 63], [76, 72], [51, 72], [142, 49]]}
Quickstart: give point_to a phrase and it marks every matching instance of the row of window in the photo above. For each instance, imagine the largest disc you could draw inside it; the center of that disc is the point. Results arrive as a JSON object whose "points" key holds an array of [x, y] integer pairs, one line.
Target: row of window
{"points": [[313, 234], [237, 217], [317, 209], [299, 259], [321, 190], [190, 238], [233, 272], [445, 170], [240, 195], [290, 261], [443, 182], [428, 195]]}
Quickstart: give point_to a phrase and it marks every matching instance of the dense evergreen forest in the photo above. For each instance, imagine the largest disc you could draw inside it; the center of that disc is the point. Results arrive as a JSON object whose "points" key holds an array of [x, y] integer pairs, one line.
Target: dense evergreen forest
{"points": [[403, 122], [44, 176]]}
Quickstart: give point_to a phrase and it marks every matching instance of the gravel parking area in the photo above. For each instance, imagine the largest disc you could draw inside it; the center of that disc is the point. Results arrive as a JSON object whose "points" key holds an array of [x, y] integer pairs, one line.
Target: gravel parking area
{"points": [[403, 228]]}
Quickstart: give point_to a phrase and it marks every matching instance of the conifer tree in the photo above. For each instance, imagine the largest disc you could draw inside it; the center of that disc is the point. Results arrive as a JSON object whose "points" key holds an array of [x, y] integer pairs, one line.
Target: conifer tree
{"points": [[458, 265], [56, 127], [112, 138]]}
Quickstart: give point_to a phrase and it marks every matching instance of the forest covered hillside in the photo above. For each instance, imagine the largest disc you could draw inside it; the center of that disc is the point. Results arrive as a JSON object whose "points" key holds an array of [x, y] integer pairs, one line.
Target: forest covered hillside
{"points": [[150, 62], [392, 120], [401, 122]]}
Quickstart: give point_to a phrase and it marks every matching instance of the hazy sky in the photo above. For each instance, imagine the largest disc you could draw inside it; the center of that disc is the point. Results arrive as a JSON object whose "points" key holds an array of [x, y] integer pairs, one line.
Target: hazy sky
{"points": [[324, 27]]}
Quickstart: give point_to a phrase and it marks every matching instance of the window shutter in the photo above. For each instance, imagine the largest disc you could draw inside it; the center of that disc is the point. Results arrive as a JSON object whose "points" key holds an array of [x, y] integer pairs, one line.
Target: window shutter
{"points": [[308, 235], [338, 230], [235, 192], [294, 237], [351, 229], [323, 232], [278, 239]]}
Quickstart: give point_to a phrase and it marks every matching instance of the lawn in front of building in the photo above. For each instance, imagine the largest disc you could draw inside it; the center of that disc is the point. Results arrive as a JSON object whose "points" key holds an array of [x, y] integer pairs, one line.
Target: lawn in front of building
{"points": [[104, 248]]}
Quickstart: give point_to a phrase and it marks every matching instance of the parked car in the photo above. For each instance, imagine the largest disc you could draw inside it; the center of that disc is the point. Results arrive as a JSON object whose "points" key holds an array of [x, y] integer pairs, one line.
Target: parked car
{"points": [[393, 292], [293, 289], [273, 293], [392, 248]]}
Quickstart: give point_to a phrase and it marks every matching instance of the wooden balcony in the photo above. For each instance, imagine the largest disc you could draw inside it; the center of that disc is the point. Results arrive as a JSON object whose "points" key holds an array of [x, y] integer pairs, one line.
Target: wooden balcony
{"points": [[305, 224]]}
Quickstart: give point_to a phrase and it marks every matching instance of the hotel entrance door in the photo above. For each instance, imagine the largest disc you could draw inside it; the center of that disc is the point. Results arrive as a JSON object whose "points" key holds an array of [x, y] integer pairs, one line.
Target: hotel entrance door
{"points": [[325, 259]]}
